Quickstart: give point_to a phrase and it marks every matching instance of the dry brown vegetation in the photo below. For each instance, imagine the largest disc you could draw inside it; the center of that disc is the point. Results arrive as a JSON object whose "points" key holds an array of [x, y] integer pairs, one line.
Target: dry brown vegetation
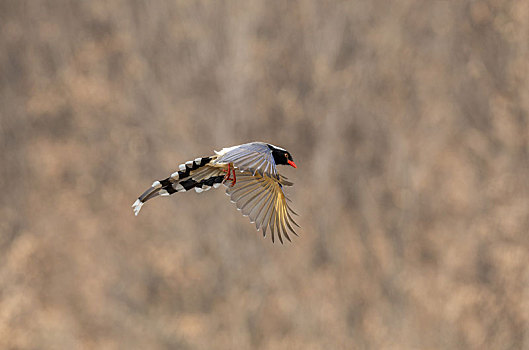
{"points": [[409, 124]]}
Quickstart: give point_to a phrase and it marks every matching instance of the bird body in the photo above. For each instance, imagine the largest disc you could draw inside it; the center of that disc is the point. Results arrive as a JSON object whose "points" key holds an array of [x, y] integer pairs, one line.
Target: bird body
{"points": [[256, 187]]}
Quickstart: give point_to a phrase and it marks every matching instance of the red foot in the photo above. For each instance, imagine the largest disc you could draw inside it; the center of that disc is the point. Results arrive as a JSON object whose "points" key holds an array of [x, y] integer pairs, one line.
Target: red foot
{"points": [[231, 170], [227, 177]]}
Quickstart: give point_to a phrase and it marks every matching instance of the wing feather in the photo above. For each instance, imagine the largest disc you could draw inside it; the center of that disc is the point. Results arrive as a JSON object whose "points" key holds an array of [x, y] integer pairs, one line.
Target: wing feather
{"points": [[263, 211], [255, 157], [240, 195], [260, 201], [249, 202], [261, 198], [278, 227]]}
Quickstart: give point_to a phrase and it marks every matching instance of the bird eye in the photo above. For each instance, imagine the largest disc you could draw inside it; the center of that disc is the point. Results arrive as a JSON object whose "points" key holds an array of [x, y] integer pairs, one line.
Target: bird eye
{"points": [[286, 155]]}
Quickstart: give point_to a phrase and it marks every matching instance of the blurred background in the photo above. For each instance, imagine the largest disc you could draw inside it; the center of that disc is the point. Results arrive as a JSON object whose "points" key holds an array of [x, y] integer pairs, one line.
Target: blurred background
{"points": [[409, 125]]}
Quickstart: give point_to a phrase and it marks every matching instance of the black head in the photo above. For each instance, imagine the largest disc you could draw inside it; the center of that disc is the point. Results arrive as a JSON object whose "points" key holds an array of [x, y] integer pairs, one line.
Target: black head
{"points": [[281, 156]]}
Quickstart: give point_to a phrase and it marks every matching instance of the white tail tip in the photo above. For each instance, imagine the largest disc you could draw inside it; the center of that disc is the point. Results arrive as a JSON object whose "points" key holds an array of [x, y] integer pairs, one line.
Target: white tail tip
{"points": [[137, 206]]}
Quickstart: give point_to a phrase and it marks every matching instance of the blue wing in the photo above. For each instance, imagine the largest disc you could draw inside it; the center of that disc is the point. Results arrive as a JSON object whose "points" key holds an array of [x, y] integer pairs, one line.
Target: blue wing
{"points": [[255, 157]]}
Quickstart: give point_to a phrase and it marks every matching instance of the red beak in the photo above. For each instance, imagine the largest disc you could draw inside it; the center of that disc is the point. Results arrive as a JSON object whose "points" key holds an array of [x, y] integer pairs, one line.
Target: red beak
{"points": [[292, 163]]}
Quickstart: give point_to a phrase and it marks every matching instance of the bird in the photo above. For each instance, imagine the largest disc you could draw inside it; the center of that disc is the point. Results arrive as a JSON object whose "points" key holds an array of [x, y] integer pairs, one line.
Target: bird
{"points": [[249, 173]]}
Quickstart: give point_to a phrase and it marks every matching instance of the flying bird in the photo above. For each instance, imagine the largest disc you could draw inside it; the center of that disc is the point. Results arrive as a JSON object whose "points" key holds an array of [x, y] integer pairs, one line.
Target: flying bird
{"points": [[249, 171]]}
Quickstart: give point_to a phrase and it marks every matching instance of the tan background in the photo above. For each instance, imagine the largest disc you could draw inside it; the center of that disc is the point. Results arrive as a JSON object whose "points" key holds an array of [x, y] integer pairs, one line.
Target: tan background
{"points": [[409, 124]]}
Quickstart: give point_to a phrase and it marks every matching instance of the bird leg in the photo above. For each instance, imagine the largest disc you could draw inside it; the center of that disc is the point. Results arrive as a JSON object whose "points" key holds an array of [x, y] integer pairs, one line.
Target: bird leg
{"points": [[229, 172]]}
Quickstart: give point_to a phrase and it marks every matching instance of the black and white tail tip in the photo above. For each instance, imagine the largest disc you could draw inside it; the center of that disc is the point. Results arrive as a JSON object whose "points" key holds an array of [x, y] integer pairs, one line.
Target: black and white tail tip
{"points": [[137, 206]]}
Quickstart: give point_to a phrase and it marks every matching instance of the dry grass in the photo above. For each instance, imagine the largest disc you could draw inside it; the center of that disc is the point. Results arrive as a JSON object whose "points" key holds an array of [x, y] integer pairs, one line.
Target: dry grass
{"points": [[409, 124]]}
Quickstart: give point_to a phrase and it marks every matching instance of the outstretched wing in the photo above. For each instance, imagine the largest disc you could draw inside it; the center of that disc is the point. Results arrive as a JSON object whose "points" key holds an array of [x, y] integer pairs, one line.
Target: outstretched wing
{"points": [[261, 198], [255, 157]]}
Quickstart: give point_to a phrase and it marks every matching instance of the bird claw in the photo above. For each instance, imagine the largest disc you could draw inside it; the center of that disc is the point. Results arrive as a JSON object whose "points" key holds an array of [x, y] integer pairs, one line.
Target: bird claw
{"points": [[234, 180]]}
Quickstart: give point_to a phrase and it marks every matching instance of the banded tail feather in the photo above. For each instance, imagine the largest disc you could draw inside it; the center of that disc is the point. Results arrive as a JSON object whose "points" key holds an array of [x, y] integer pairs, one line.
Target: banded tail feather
{"points": [[193, 174]]}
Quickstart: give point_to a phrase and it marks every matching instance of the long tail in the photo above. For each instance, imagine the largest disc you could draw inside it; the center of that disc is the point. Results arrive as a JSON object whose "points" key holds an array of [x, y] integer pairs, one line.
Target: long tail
{"points": [[198, 174]]}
